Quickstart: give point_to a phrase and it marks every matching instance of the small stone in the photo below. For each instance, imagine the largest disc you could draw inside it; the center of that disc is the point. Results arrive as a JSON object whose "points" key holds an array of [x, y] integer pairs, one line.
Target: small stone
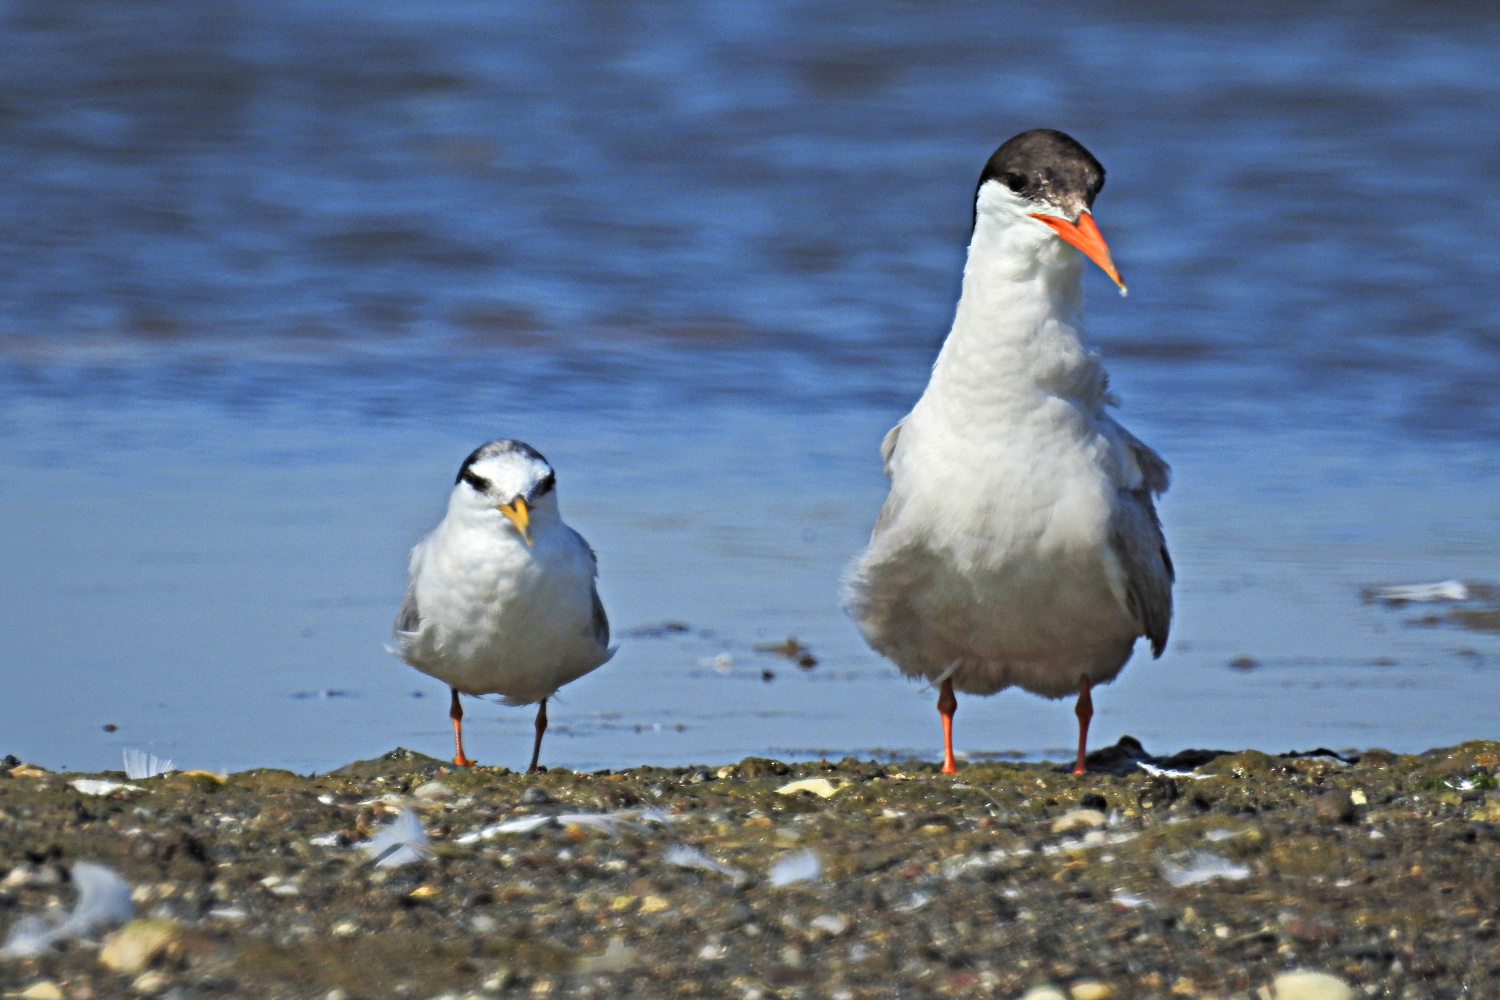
{"points": [[1358, 797], [1334, 806], [617, 957], [535, 796], [762, 767], [344, 928], [1304, 984], [1045, 993], [1090, 989], [435, 790], [151, 982], [821, 787], [829, 923], [1075, 818], [44, 989], [654, 904], [140, 943], [500, 980]]}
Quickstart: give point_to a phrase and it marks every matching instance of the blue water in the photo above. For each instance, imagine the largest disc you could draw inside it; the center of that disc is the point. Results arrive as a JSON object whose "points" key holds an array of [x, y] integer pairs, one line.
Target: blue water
{"points": [[268, 271]]}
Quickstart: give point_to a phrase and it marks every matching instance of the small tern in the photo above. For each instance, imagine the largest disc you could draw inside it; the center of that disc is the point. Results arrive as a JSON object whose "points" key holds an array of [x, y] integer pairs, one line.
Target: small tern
{"points": [[502, 597], [1019, 544]]}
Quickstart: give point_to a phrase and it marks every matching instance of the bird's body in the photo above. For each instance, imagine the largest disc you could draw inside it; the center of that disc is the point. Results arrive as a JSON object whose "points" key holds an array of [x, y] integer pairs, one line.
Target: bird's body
{"points": [[1019, 544], [502, 597]]}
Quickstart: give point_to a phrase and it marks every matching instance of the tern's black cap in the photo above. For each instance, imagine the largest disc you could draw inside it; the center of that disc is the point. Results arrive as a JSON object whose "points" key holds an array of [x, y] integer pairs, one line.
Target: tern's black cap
{"points": [[1046, 165], [501, 446]]}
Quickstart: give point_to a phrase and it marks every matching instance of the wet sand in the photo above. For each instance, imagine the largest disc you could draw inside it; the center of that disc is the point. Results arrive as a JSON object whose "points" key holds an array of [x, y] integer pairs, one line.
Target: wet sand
{"points": [[1003, 878]]}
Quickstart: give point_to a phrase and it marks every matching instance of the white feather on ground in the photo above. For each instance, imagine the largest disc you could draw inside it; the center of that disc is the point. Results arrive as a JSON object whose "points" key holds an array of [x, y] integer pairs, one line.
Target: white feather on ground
{"points": [[1201, 866], [1447, 590], [101, 786], [684, 856], [798, 866], [605, 822], [103, 899], [400, 842]]}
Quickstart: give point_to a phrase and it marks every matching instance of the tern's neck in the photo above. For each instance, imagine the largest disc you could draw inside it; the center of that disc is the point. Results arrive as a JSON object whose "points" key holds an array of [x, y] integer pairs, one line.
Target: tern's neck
{"points": [[1018, 330]]}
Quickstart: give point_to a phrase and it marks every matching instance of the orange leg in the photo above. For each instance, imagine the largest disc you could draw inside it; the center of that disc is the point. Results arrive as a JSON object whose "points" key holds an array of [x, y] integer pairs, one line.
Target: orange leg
{"points": [[947, 705], [541, 727], [456, 713], [1085, 712]]}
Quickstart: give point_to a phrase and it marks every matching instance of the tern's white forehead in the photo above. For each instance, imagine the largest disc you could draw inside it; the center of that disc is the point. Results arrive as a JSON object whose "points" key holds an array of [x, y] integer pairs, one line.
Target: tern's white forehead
{"points": [[505, 469]]}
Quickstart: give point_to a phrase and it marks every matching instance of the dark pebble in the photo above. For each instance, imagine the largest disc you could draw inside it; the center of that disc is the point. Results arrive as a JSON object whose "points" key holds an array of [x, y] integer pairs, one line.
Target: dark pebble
{"points": [[1334, 806]]}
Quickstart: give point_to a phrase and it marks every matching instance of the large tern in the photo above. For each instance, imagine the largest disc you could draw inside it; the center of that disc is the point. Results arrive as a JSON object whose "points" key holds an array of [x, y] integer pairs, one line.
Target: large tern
{"points": [[1019, 544]]}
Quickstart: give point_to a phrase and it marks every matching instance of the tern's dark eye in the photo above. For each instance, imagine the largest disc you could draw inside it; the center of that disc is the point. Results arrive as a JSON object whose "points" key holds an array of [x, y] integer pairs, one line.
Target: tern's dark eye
{"points": [[1016, 182], [474, 479]]}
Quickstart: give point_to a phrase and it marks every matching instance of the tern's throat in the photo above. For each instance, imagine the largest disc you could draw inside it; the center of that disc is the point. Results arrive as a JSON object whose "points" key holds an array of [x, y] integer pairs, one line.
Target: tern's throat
{"points": [[1018, 329]]}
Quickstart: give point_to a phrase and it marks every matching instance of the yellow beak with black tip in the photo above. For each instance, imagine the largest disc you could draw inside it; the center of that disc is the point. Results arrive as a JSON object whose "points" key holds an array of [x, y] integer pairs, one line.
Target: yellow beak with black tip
{"points": [[519, 514], [1085, 235]]}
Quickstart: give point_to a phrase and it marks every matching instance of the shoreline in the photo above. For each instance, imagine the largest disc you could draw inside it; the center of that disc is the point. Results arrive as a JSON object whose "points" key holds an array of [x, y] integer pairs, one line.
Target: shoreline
{"points": [[656, 881]]}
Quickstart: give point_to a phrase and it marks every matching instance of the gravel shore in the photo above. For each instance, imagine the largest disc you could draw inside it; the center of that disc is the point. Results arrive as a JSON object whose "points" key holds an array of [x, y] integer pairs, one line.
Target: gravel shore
{"points": [[863, 880]]}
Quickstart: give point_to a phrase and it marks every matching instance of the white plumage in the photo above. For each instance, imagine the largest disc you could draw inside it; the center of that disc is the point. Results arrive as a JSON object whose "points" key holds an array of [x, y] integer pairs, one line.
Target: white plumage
{"points": [[502, 597], [1019, 544]]}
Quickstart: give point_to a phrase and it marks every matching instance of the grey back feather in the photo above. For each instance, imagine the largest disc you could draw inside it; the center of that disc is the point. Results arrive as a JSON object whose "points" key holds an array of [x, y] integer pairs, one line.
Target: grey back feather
{"points": [[888, 445], [887, 451], [409, 618], [1136, 537], [601, 620]]}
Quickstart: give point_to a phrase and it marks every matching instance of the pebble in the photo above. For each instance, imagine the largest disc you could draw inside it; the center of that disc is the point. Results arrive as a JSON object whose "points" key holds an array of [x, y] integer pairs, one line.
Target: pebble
{"points": [[1304, 984], [829, 923], [821, 787], [535, 796], [1090, 989], [1335, 806], [436, 790], [151, 983], [44, 989], [617, 957], [139, 943], [1075, 818], [1045, 993]]}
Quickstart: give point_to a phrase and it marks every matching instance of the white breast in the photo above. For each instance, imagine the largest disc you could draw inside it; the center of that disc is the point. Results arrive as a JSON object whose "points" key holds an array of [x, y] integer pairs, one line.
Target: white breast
{"points": [[991, 563], [499, 617]]}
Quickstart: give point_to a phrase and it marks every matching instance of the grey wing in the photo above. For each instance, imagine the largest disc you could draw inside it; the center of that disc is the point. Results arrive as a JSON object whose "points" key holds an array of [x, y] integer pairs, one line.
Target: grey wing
{"points": [[887, 450], [1136, 538], [1156, 474], [601, 620], [409, 618], [888, 445]]}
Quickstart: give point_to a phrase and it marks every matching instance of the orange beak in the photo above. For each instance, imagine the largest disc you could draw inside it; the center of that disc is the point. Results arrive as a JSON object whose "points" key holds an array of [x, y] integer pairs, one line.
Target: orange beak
{"points": [[1085, 236]]}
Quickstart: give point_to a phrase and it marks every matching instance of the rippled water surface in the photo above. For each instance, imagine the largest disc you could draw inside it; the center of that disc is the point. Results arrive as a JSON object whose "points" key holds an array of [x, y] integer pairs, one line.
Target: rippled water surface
{"points": [[268, 271]]}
